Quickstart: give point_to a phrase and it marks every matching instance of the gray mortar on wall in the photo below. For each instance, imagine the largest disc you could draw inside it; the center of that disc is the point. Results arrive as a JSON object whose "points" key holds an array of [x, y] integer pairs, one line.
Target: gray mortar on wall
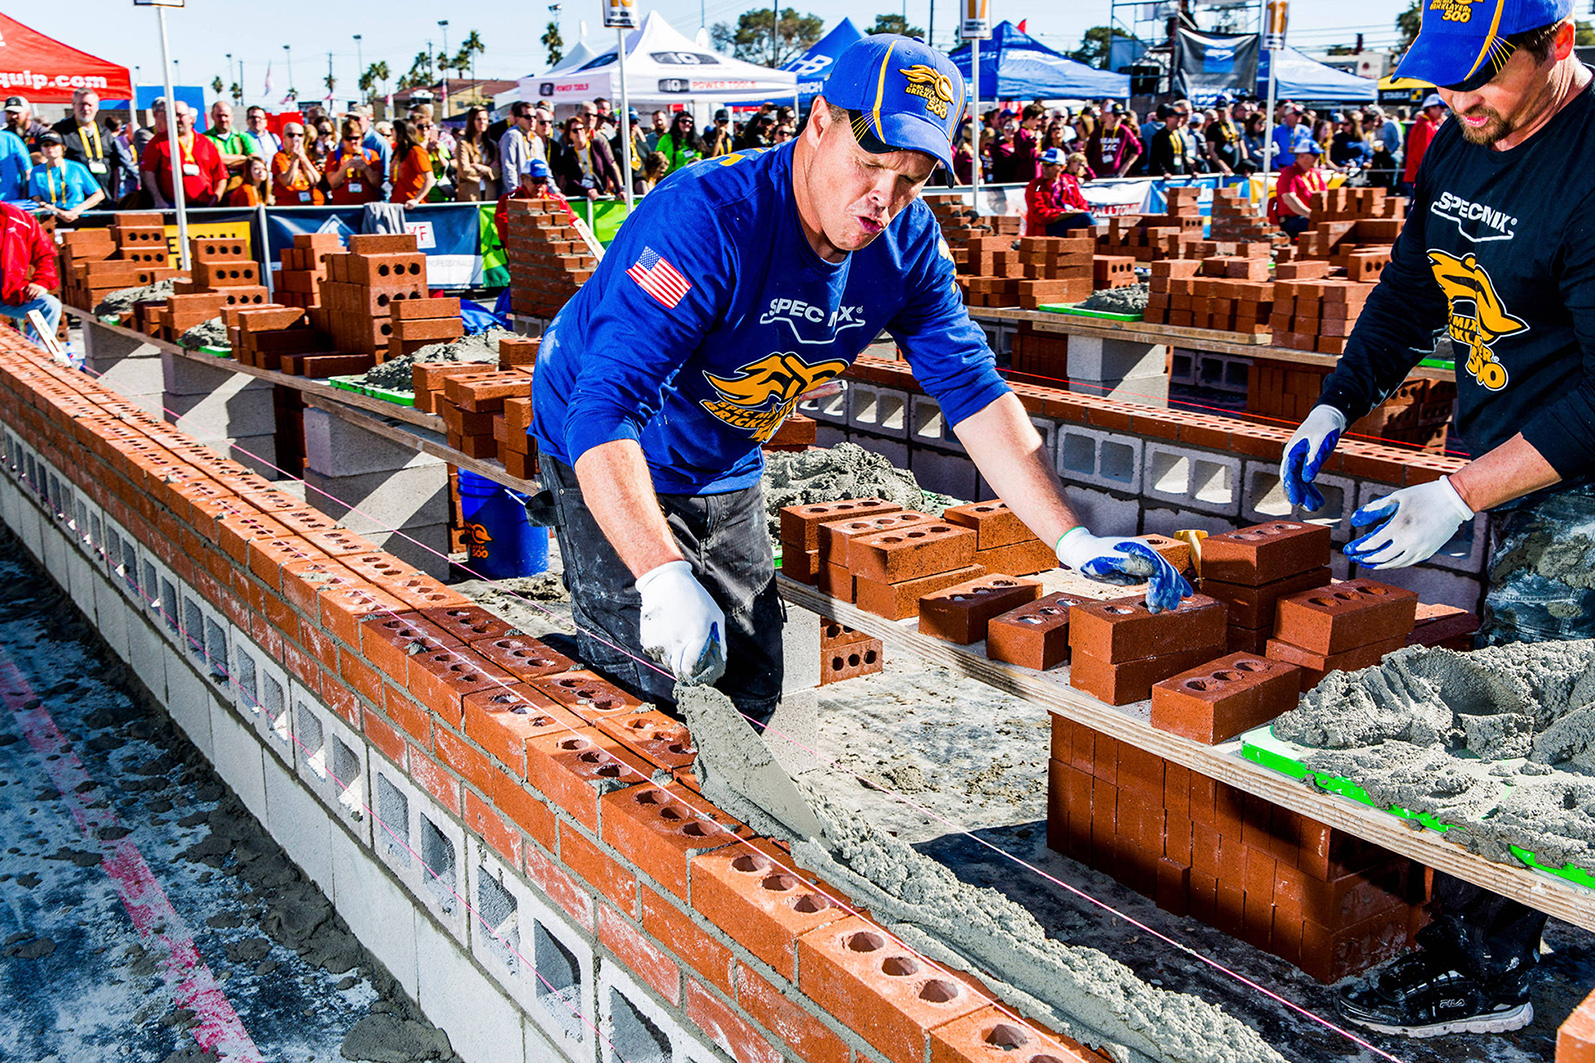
{"points": [[1499, 741], [395, 375], [847, 470], [1078, 991]]}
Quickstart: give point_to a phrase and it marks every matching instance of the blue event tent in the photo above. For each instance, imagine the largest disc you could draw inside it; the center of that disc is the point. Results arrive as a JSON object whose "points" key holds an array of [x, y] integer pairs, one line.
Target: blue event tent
{"points": [[1301, 78], [814, 65], [1014, 65], [193, 95]]}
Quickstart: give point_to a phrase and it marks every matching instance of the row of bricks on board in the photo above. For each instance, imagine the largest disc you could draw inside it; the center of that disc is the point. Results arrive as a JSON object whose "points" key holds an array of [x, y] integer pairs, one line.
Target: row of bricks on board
{"points": [[1351, 457], [433, 683], [545, 254]]}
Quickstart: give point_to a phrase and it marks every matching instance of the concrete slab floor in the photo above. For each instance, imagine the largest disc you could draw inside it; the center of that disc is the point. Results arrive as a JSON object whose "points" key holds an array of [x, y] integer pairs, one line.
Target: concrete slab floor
{"points": [[977, 758], [77, 981]]}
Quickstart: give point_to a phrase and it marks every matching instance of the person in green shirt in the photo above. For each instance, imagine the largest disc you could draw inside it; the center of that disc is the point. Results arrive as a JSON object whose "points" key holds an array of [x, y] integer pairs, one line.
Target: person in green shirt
{"points": [[230, 143], [681, 145]]}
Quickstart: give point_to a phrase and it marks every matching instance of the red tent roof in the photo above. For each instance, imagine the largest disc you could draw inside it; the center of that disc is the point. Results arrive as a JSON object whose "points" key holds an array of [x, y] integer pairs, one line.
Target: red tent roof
{"points": [[46, 71]]}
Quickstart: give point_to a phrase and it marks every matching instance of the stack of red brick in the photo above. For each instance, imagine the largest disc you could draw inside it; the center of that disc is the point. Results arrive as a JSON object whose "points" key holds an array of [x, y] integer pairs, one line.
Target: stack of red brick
{"points": [[131, 253], [846, 653], [1040, 354], [1313, 895], [362, 285], [470, 401], [1353, 228], [420, 323], [1176, 233], [223, 277], [1316, 315], [1119, 648], [1234, 218], [1188, 293], [1342, 627], [1251, 569], [302, 270], [548, 259], [1417, 413]]}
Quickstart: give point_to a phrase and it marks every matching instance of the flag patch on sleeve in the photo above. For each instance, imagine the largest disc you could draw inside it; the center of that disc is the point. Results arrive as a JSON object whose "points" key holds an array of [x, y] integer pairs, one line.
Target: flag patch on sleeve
{"points": [[659, 278]]}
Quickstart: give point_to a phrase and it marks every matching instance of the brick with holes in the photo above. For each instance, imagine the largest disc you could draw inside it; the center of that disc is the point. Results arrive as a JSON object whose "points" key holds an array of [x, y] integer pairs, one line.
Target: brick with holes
{"points": [[590, 696], [756, 893], [960, 613], [1035, 635], [1222, 698], [1314, 666], [836, 535], [800, 525], [1263, 553], [851, 660], [654, 737], [1346, 615], [993, 522], [1124, 629], [911, 553], [900, 601], [1131, 681]]}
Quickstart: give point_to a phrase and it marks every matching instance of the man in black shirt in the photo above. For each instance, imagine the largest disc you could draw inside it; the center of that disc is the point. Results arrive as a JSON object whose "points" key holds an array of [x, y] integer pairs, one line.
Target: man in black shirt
{"points": [[1167, 155], [1498, 249], [85, 142]]}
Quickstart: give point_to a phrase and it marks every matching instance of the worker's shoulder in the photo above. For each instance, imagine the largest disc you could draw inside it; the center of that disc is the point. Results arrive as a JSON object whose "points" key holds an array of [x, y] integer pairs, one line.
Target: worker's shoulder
{"points": [[735, 189]]}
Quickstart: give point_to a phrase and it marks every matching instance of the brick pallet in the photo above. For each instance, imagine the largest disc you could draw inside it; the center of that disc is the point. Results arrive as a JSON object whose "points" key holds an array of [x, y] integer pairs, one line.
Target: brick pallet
{"points": [[1417, 413]]}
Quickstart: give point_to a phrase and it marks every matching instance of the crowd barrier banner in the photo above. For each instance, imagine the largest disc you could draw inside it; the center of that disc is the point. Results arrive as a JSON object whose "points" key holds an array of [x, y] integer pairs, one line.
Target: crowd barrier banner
{"points": [[449, 234]]}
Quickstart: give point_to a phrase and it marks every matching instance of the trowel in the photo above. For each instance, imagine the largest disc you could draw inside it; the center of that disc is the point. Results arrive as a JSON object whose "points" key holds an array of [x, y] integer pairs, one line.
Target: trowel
{"points": [[732, 757]]}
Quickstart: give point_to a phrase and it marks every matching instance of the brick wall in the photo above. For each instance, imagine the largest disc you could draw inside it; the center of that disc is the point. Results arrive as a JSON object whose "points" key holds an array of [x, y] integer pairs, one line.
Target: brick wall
{"points": [[597, 877]]}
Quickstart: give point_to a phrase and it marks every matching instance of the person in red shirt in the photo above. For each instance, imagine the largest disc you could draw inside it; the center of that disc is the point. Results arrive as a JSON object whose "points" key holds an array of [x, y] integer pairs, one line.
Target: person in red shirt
{"points": [[1053, 203], [27, 269], [200, 163], [1291, 208], [1418, 138]]}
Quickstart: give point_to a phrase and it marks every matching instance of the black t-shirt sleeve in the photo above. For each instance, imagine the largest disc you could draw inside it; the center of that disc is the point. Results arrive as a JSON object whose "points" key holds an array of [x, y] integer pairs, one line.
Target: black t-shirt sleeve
{"points": [[1564, 431], [1396, 328]]}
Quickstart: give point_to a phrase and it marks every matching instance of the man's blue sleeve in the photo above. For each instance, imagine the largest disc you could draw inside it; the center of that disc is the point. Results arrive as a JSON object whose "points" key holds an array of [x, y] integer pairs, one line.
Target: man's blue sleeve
{"points": [[632, 344], [948, 351]]}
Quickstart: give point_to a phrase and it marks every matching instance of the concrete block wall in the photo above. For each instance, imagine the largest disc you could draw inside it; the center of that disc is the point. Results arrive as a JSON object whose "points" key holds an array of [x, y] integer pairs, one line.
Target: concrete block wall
{"points": [[1134, 468], [539, 886]]}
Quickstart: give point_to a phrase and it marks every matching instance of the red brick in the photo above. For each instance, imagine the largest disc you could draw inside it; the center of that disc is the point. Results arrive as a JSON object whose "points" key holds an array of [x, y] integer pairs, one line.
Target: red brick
{"points": [[960, 612], [435, 779], [268, 556], [403, 710], [516, 801], [1349, 614], [1123, 629], [1035, 635], [235, 531], [804, 1035], [482, 818], [1222, 698], [911, 553], [1253, 607], [993, 522], [467, 623], [993, 1035], [360, 677], [442, 680], [800, 525], [383, 735], [1131, 681], [659, 830], [664, 922], [470, 763], [1018, 559], [522, 656], [726, 1028], [548, 877], [611, 878], [899, 601], [388, 642], [654, 737], [836, 536], [575, 771], [865, 656], [1575, 1038], [590, 696], [876, 987], [637, 952], [1314, 666], [1264, 553], [501, 720], [302, 666], [755, 893]]}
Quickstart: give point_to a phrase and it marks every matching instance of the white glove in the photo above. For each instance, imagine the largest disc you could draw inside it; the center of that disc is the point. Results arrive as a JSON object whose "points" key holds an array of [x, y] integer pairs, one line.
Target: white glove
{"points": [[1305, 453], [682, 627], [1124, 561], [1414, 522]]}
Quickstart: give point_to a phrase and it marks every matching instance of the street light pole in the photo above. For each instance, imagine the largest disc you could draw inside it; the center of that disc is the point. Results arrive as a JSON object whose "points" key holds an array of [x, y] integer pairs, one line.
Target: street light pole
{"points": [[173, 143], [289, 60], [360, 67], [443, 109]]}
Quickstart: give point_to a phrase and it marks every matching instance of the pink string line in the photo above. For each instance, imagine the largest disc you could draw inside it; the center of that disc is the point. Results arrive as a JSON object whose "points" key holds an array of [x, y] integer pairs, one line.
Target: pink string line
{"points": [[830, 763]]}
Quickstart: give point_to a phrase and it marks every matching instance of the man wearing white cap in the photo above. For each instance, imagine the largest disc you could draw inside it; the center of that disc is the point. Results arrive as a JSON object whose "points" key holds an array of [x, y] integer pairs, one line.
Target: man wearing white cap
{"points": [[739, 285], [1499, 251]]}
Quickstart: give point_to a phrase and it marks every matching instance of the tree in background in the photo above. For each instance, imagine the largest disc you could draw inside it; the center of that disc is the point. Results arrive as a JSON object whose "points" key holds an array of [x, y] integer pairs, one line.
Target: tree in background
{"points": [[750, 40], [420, 72], [1094, 45], [216, 85], [554, 42], [236, 91], [374, 73], [331, 83], [1407, 24], [468, 52], [895, 24], [1583, 34]]}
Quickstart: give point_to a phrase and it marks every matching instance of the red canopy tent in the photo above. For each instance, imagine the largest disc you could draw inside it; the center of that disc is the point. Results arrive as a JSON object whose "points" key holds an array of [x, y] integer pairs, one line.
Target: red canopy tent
{"points": [[47, 71]]}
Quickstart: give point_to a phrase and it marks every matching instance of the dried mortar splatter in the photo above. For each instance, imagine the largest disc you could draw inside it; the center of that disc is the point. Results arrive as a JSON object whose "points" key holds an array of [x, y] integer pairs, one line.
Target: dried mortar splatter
{"points": [[212, 333], [1131, 299], [395, 374], [124, 298], [847, 470]]}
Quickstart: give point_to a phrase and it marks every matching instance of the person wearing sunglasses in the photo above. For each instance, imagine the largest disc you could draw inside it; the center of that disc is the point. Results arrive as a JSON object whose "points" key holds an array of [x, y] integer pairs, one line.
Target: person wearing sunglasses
{"points": [[293, 176], [354, 171], [1497, 250], [681, 145]]}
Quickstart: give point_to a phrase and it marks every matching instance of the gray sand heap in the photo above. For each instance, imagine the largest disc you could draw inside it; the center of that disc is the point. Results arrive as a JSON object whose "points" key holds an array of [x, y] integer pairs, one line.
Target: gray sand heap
{"points": [[394, 374], [212, 333], [1075, 990], [1500, 741], [1130, 299], [847, 470], [124, 298]]}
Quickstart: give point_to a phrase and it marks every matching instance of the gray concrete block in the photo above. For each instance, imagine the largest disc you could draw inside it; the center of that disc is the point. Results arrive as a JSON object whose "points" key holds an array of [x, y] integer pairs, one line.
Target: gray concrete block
{"points": [[377, 910], [1104, 513], [336, 448], [258, 453], [306, 833], [226, 413], [188, 701], [484, 1026], [893, 450], [1099, 358], [383, 501], [828, 435], [800, 649], [186, 376], [237, 758], [1161, 521], [1150, 390]]}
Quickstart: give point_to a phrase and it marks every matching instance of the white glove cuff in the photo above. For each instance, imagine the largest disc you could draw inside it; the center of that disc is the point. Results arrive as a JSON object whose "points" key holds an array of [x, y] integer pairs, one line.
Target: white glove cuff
{"points": [[664, 571], [1450, 494]]}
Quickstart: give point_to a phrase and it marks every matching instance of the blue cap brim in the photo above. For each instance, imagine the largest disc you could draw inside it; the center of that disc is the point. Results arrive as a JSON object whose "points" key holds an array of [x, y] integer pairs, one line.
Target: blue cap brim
{"points": [[910, 132], [1453, 60]]}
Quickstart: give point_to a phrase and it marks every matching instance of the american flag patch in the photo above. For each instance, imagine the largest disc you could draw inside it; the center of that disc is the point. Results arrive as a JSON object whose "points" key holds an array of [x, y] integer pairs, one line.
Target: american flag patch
{"points": [[659, 278]]}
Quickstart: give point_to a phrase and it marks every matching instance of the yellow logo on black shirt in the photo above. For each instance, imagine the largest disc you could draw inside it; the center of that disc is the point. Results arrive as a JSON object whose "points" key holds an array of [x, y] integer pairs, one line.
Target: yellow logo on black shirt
{"points": [[1453, 10], [763, 392], [932, 84], [1477, 317]]}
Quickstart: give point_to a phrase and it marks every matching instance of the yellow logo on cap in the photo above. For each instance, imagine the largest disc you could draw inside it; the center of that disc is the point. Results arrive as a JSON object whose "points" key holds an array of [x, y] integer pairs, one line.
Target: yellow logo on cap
{"points": [[1453, 10], [932, 84]]}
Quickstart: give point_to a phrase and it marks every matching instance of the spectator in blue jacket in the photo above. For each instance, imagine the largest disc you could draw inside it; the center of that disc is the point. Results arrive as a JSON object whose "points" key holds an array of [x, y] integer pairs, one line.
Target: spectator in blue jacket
{"points": [[15, 164], [59, 185]]}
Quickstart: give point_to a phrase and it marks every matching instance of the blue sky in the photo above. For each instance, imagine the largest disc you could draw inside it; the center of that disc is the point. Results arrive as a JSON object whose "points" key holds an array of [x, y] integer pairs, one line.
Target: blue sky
{"points": [[396, 30]]}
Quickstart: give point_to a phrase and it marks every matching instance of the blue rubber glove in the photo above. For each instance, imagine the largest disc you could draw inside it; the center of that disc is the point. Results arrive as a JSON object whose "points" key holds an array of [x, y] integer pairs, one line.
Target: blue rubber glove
{"points": [[1413, 522], [1305, 453], [681, 625], [1123, 561]]}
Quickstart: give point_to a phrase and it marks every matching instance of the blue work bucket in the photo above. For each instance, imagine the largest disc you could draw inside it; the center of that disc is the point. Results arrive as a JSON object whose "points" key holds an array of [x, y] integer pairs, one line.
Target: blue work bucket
{"points": [[500, 542]]}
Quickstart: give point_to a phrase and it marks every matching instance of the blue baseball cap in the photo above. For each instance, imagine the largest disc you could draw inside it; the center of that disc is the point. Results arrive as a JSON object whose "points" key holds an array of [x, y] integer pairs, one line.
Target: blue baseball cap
{"points": [[1054, 157], [538, 168], [1303, 143], [903, 95], [1462, 43]]}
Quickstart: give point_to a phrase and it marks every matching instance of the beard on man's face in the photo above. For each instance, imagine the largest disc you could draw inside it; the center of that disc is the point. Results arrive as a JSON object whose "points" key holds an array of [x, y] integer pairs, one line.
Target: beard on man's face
{"points": [[1495, 128]]}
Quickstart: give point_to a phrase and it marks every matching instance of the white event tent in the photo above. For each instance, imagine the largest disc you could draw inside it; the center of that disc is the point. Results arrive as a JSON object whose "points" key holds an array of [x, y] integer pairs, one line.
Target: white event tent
{"points": [[662, 67]]}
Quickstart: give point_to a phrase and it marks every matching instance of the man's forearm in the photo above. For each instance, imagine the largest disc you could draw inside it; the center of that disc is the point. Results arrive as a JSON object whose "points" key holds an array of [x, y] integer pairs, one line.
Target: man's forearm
{"points": [[619, 492], [1007, 450], [1510, 471]]}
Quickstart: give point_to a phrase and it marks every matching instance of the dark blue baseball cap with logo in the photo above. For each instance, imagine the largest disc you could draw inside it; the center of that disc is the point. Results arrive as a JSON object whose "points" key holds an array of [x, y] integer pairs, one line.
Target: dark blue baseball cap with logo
{"points": [[1462, 44], [903, 95]]}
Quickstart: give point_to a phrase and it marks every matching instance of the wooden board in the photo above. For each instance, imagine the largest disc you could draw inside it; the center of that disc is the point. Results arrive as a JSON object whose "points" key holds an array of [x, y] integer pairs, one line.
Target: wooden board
{"points": [[1050, 689]]}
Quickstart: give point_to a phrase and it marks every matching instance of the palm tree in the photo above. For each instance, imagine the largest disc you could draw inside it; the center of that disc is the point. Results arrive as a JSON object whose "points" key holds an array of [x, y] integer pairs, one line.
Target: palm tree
{"points": [[236, 91], [216, 85], [554, 42], [468, 51]]}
